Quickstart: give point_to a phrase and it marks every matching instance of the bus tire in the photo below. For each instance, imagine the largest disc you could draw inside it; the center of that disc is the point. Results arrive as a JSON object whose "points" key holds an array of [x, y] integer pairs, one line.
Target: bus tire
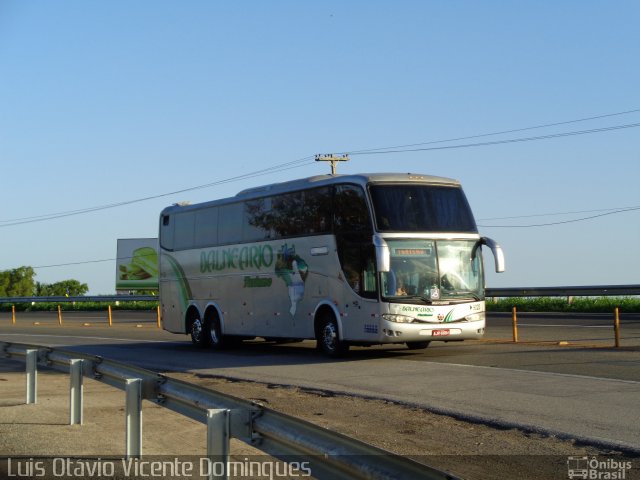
{"points": [[196, 330], [213, 331], [328, 336], [417, 345]]}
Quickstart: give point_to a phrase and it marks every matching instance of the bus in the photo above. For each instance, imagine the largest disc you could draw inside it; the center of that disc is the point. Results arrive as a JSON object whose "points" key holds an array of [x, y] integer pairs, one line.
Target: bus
{"points": [[362, 259]]}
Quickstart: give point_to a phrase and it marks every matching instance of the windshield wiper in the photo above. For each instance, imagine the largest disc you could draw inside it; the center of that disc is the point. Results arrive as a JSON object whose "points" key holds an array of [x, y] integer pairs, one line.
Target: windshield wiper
{"points": [[466, 293], [413, 297]]}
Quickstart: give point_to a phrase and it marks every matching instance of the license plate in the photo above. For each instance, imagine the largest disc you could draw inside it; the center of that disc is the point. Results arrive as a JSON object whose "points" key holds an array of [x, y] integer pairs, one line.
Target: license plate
{"points": [[441, 333]]}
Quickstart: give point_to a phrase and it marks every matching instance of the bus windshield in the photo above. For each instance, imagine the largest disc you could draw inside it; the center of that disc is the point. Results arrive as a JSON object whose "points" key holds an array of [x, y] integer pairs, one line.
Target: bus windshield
{"points": [[421, 208], [433, 271]]}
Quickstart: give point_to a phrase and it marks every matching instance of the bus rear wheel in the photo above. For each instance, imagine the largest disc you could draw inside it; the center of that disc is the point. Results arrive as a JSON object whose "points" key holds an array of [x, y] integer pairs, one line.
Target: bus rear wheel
{"points": [[417, 345], [213, 331], [328, 337], [196, 330]]}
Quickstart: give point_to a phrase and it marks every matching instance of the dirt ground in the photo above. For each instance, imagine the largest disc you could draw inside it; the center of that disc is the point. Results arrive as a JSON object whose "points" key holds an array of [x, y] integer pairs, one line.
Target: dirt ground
{"points": [[468, 450]]}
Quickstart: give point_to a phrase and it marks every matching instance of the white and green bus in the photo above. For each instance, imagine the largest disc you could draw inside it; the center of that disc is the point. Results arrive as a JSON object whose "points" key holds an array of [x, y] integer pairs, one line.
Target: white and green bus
{"points": [[344, 259]]}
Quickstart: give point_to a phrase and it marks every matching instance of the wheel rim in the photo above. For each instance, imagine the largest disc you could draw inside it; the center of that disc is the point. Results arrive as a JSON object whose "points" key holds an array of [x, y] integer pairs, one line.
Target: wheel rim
{"points": [[213, 332], [196, 330], [330, 336]]}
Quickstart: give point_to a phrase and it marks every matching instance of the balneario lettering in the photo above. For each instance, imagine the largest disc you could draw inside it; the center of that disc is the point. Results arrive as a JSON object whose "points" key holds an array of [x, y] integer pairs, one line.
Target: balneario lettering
{"points": [[255, 257]]}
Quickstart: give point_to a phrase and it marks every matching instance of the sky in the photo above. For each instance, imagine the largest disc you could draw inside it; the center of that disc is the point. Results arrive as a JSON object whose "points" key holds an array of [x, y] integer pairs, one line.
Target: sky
{"points": [[107, 103]]}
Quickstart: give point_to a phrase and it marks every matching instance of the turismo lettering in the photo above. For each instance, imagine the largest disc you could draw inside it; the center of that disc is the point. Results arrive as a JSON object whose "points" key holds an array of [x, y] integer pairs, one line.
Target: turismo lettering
{"points": [[255, 257]]}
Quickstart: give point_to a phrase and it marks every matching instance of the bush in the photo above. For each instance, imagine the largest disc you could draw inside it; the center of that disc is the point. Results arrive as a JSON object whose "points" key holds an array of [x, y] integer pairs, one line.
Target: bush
{"points": [[560, 304], [80, 306]]}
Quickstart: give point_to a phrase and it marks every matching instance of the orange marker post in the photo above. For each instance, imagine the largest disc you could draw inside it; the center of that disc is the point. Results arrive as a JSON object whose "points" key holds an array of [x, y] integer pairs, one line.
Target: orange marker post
{"points": [[514, 321], [616, 326]]}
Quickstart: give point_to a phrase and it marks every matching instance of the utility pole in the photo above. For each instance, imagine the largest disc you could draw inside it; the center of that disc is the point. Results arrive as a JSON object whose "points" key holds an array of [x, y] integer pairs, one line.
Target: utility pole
{"points": [[332, 159]]}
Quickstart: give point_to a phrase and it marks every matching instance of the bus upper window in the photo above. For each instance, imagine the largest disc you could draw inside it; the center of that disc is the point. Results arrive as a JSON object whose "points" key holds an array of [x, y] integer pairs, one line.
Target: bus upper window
{"points": [[166, 233], [350, 210], [206, 227], [316, 211], [421, 208], [183, 230], [230, 220]]}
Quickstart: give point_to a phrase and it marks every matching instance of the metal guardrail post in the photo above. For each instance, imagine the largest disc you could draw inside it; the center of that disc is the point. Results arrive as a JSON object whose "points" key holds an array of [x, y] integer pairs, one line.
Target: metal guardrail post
{"points": [[133, 440], [32, 375], [218, 442], [76, 391]]}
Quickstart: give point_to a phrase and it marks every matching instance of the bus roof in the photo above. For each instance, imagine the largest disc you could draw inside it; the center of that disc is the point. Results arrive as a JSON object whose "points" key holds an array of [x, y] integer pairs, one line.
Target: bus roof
{"points": [[318, 181]]}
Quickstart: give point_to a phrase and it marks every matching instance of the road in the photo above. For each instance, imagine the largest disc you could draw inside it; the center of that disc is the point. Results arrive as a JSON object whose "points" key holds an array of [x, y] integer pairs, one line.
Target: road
{"points": [[583, 389]]}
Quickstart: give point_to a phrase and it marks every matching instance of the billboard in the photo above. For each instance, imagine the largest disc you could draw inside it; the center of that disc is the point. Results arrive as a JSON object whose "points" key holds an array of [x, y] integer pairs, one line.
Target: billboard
{"points": [[137, 264]]}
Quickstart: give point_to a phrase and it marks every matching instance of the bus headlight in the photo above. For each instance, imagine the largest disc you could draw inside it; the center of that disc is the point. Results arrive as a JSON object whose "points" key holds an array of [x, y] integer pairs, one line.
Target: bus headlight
{"points": [[475, 317], [394, 317]]}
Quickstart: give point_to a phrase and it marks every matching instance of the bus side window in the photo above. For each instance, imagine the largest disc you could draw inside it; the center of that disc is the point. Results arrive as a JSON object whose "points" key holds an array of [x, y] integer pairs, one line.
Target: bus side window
{"points": [[166, 233], [350, 210], [184, 229], [230, 221], [316, 208], [206, 227]]}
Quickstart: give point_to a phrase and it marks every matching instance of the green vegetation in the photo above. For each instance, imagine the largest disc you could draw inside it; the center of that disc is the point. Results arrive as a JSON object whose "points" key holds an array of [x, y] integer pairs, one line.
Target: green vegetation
{"points": [[80, 306], [560, 304], [20, 282]]}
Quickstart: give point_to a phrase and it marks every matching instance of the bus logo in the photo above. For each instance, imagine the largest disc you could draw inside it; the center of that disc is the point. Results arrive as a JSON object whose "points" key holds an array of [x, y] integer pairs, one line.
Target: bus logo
{"points": [[578, 467]]}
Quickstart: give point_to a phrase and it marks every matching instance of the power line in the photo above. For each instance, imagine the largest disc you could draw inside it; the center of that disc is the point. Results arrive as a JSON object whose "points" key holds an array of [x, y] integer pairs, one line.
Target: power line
{"points": [[85, 262], [559, 213], [499, 142], [546, 125], [277, 168], [564, 221]]}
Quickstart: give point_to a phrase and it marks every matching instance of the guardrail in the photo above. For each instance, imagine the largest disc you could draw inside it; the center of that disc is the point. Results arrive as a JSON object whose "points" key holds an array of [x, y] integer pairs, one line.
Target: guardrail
{"points": [[578, 291], [329, 454]]}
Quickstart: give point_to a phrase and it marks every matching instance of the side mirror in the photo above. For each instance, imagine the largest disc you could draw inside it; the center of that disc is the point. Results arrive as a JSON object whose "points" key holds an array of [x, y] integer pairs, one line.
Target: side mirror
{"points": [[496, 249], [383, 256]]}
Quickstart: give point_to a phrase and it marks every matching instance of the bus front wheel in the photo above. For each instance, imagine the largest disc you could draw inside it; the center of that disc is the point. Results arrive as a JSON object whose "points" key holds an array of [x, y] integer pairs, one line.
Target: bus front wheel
{"points": [[328, 337]]}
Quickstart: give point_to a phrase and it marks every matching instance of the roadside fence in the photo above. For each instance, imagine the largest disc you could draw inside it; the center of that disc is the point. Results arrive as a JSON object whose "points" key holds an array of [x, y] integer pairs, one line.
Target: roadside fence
{"points": [[570, 293], [329, 454]]}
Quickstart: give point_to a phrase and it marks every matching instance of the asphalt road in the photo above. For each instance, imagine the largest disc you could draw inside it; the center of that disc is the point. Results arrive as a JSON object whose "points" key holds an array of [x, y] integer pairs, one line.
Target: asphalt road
{"points": [[563, 377]]}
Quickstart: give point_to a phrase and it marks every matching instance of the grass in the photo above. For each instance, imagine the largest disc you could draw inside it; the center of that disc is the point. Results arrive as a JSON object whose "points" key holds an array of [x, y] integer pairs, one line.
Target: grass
{"points": [[561, 304]]}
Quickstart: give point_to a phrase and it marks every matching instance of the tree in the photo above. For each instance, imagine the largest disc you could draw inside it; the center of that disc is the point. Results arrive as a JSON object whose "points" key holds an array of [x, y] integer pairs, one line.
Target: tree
{"points": [[17, 282], [73, 288], [20, 282]]}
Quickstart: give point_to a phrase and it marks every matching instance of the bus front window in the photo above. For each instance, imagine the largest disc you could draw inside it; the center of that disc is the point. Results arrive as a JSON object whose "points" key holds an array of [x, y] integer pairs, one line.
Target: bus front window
{"points": [[432, 270]]}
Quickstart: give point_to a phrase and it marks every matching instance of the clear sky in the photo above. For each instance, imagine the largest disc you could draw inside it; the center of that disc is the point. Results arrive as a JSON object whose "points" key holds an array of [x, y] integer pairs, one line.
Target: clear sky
{"points": [[109, 102]]}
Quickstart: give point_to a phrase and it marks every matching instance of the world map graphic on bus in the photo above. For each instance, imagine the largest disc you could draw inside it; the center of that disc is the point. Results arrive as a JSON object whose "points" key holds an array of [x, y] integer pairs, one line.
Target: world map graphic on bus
{"points": [[293, 271]]}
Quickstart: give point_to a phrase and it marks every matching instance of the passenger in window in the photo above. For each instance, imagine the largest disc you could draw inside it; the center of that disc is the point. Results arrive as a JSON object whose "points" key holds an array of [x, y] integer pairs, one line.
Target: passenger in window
{"points": [[353, 279]]}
